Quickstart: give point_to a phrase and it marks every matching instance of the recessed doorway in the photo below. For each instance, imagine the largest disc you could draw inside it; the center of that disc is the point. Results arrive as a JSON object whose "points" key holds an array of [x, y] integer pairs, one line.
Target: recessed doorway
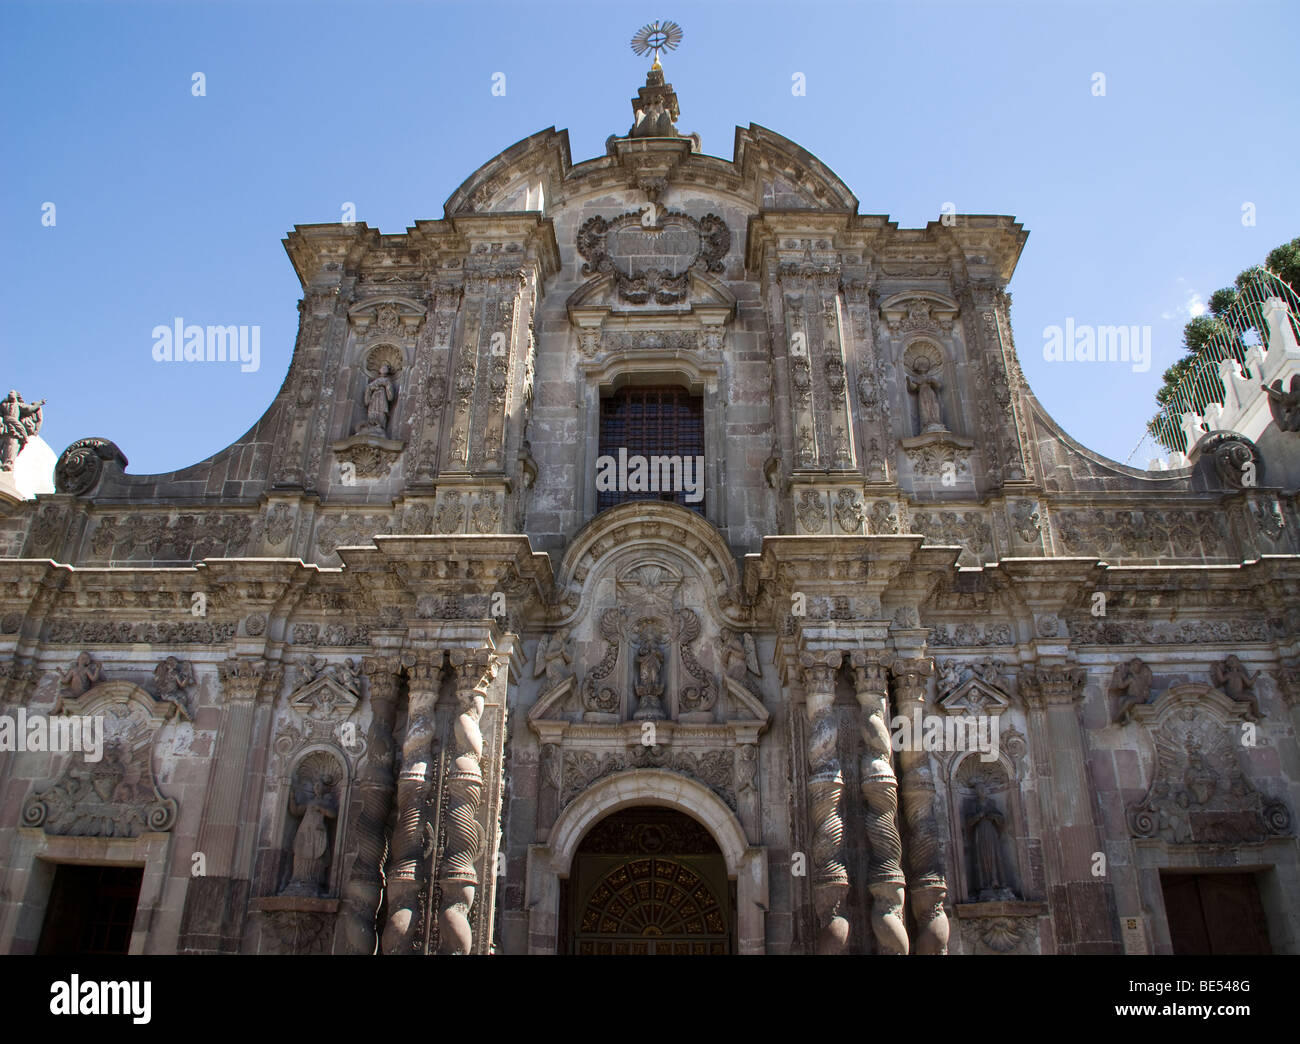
{"points": [[91, 910], [649, 881], [1211, 913]]}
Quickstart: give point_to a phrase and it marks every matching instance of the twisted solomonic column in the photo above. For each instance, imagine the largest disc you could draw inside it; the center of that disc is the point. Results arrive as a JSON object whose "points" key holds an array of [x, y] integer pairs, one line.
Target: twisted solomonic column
{"points": [[830, 874], [458, 874], [361, 891], [880, 797], [406, 868], [926, 876]]}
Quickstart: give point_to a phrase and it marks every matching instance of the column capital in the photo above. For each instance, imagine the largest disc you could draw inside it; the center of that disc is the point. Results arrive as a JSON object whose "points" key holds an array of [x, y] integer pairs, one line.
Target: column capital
{"points": [[819, 669], [870, 672], [911, 676], [1043, 686], [248, 680], [423, 667], [382, 673], [475, 669]]}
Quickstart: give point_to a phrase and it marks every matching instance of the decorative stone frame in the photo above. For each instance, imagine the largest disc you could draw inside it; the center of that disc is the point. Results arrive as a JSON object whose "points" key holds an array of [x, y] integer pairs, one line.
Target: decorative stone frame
{"points": [[1276, 862], [548, 863], [32, 864]]}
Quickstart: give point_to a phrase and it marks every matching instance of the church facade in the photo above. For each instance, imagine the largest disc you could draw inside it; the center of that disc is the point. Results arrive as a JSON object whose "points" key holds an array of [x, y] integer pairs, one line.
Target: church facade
{"points": [[655, 554]]}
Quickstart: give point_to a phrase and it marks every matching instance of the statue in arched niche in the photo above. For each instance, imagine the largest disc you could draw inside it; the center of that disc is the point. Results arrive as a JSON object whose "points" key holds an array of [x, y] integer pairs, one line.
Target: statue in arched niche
{"points": [[925, 385], [313, 840], [380, 393], [985, 824]]}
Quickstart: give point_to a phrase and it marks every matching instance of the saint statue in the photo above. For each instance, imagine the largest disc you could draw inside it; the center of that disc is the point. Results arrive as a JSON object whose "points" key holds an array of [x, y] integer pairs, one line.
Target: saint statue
{"points": [[649, 661], [19, 421], [926, 387], [311, 843], [985, 825], [649, 684], [380, 393]]}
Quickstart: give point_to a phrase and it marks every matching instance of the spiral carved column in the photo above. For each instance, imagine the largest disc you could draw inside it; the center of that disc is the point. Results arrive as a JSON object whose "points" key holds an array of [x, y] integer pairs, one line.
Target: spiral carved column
{"points": [[926, 876], [830, 874], [362, 889], [880, 796], [458, 874], [406, 873]]}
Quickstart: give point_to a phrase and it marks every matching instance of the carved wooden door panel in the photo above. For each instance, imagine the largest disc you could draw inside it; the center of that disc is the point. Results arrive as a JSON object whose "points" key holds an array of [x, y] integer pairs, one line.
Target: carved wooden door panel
{"points": [[1215, 914]]}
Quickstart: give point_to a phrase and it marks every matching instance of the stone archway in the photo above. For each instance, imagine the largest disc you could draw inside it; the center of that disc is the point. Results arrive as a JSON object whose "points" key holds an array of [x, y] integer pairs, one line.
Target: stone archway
{"points": [[548, 864], [647, 880]]}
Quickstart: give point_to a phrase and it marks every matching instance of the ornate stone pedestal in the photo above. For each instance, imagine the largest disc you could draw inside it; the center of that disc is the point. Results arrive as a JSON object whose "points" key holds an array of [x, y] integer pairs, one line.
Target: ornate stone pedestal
{"points": [[371, 455], [1000, 927], [295, 923]]}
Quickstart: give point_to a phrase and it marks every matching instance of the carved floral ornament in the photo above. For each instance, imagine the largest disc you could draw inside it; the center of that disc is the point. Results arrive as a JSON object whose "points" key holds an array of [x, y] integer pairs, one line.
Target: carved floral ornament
{"points": [[654, 261]]}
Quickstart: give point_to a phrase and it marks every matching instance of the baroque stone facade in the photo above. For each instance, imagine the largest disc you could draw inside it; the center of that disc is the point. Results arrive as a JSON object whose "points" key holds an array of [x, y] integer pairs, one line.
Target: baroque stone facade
{"points": [[383, 679]]}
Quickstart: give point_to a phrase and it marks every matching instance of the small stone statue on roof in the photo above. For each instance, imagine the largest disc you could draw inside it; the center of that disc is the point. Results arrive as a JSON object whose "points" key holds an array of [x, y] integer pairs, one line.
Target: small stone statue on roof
{"points": [[19, 421]]}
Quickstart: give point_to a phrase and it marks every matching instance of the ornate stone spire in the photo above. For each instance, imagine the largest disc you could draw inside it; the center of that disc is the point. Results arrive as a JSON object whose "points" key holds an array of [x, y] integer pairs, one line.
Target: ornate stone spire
{"points": [[655, 106]]}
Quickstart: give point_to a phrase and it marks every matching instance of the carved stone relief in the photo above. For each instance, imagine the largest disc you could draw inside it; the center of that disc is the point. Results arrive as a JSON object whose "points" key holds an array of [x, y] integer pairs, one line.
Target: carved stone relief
{"points": [[117, 795]]}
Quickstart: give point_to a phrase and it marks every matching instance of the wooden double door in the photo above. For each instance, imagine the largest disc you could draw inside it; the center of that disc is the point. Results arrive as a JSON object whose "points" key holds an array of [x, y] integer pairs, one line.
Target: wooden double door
{"points": [[1213, 913]]}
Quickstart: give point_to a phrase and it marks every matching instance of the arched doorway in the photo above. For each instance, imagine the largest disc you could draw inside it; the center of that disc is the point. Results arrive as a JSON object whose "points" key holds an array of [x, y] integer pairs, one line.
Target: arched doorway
{"points": [[648, 881]]}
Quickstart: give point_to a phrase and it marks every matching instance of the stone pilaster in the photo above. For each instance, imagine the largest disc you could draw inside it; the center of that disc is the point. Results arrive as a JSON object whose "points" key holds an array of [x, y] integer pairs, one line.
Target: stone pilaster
{"points": [[1083, 905], [374, 795], [885, 877], [458, 874], [217, 901], [830, 874], [927, 883], [429, 379], [406, 868], [868, 388], [823, 433]]}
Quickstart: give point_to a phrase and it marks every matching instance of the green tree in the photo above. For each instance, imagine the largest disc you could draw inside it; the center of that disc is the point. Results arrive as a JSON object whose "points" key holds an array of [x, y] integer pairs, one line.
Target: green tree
{"points": [[1226, 326]]}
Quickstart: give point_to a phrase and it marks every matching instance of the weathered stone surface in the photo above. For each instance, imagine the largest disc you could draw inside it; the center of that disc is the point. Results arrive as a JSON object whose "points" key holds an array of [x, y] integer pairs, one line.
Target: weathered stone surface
{"points": [[400, 663]]}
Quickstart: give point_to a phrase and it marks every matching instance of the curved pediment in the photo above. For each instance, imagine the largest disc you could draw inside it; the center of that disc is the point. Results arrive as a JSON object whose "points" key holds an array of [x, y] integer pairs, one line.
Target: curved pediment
{"points": [[521, 177], [788, 176], [646, 525]]}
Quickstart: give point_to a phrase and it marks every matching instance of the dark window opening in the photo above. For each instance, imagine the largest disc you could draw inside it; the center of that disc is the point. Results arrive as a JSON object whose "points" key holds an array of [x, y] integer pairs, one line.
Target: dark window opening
{"points": [[91, 910], [662, 421]]}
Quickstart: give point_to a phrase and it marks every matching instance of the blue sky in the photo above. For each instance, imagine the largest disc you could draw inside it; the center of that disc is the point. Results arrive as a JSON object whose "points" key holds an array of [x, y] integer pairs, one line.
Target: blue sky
{"points": [[170, 205]]}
